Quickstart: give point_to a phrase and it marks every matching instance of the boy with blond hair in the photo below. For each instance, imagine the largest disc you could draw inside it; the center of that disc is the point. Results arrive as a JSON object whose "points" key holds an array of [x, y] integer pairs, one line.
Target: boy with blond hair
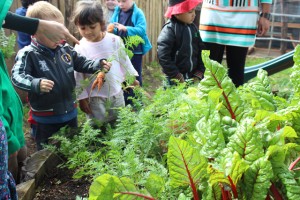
{"points": [[45, 69]]}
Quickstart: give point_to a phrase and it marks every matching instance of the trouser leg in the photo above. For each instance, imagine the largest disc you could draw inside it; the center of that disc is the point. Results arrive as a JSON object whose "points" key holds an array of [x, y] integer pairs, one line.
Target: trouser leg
{"points": [[236, 59]]}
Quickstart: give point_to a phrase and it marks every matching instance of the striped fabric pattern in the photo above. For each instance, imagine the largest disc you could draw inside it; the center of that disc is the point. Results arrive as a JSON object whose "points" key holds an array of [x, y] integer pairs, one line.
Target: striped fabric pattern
{"points": [[230, 22]]}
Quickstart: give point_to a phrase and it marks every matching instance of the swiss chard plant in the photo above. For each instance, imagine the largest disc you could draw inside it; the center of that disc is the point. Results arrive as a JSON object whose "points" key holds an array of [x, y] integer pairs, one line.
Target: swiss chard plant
{"points": [[216, 142], [207, 141]]}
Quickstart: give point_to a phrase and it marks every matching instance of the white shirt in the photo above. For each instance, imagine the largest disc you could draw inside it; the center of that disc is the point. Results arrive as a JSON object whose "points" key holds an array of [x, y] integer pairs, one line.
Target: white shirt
{"points": [[110, 47]]}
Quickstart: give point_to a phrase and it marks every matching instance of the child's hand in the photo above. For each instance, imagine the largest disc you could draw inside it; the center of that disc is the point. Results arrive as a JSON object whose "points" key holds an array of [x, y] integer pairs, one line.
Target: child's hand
{"points": [[85, 106], [46, 85], [105, 65], [120, 27], [136, 83], [110, 28]]}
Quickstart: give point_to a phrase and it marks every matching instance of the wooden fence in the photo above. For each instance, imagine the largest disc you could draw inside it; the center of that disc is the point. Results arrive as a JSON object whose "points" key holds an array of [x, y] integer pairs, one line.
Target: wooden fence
{"points": [[153, 10]]}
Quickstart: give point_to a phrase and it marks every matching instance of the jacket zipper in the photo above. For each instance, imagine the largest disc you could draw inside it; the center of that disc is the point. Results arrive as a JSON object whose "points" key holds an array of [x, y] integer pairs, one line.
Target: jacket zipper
{"points": [[191, 49]]}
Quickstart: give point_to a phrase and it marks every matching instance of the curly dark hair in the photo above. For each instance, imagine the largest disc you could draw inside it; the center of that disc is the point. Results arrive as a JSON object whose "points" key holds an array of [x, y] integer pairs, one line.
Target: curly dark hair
{"points": [[26, 3]]}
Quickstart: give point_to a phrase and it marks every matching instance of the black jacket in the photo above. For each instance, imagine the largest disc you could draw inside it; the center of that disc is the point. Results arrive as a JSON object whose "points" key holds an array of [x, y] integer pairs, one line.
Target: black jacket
{"points": [[179, 48], [35, 62]]}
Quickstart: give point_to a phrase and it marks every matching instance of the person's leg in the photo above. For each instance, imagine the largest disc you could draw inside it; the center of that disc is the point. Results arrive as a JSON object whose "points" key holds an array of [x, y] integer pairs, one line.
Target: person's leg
{"points": [[73, 123], [236, 59], [7, 183], [22, 155], [13, 165], [136, 61], [44, 131], [33, 130], [116, 101], [99, 114], [216, 51]]}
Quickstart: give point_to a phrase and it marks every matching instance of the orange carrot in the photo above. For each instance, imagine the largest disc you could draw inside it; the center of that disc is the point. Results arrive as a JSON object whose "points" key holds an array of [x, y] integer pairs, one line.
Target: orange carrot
{"points": [[99, 81], [110, 28]]}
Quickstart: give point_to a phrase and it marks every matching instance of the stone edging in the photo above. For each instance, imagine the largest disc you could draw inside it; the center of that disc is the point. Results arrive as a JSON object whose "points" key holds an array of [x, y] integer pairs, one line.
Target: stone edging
{"points": [[34, 170]]}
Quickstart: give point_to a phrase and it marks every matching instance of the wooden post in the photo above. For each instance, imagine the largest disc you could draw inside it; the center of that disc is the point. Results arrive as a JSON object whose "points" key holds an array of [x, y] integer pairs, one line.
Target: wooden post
{"points": [[284, 28]]}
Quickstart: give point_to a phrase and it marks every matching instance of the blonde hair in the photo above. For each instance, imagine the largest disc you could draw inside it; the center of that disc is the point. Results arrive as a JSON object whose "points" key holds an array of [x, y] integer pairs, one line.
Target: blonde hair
{"points": [[44, 10]]}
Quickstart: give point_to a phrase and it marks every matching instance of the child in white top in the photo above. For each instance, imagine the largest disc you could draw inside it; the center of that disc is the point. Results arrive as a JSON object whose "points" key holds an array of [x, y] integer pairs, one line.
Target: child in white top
{"points": [[95, 43]]}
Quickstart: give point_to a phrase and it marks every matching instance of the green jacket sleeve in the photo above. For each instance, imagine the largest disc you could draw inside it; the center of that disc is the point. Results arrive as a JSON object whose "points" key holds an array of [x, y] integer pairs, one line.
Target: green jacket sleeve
{"points": [[11, 112], [4, 7]]}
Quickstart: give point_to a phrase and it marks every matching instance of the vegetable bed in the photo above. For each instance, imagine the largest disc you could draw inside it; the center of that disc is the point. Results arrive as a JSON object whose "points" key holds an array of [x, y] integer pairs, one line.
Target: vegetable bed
{"points": [[204, 141]]}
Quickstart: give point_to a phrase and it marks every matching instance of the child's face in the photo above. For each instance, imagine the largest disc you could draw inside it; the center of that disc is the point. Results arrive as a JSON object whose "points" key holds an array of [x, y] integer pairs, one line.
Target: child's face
{"points": [[187, 17], [125, 5], [111, 4], [43, 40], [91, 33]]}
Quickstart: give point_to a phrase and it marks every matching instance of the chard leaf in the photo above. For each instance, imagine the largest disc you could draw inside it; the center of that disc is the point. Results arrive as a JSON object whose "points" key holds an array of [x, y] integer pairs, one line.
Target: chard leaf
{"points": [[228, 126], [279, 137], [216, 177], [295, 75], [210, 132], [211, 192], [247, 142], [102, 188], [154, 184], [126, 190], [269, 120], [216, 77], [112, 187], [287, 178], [289, 132], [258, 179], [260, 89], [292, 114], [238, 168], [277, 153], [186, 165]]}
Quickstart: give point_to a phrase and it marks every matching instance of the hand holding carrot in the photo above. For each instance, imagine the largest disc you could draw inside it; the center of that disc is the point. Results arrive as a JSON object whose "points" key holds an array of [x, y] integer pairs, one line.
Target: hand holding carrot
{"points": [[105, 65], [99, 81]]}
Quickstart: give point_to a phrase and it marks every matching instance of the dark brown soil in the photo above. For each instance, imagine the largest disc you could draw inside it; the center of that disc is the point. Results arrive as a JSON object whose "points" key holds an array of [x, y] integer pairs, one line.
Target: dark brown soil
{"points": [[59, 185]]}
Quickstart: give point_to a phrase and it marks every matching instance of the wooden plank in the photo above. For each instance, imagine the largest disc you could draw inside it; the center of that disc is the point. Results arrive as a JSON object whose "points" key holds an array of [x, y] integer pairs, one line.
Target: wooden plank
{"points": [[289, 25]]}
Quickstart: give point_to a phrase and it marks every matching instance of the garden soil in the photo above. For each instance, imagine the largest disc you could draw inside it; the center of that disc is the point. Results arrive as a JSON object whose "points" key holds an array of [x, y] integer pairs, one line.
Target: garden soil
{"points": [[58, 184]]}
